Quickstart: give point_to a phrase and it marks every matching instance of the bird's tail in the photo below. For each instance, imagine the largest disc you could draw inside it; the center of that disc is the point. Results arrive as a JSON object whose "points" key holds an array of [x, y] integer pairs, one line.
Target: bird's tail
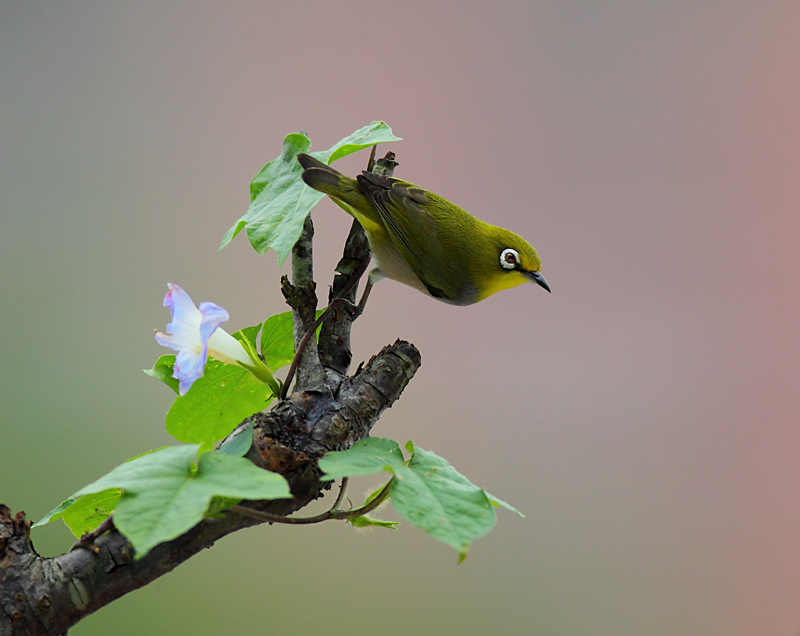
{"points": [[322, 177]]}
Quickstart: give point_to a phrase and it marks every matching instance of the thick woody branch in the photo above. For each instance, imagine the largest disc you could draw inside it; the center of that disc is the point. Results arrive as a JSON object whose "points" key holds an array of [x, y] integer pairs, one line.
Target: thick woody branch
{"points": [[328, 411], [47, 596]]}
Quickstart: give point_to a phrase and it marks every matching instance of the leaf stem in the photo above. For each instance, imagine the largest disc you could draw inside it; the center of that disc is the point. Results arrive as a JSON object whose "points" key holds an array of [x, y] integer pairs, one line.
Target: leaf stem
{"points": [[340, 496], [332, 513]]}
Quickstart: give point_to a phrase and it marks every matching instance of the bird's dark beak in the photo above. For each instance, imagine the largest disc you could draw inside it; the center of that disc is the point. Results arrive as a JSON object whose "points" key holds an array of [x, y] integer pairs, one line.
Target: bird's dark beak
{"points": [[537, 278]]}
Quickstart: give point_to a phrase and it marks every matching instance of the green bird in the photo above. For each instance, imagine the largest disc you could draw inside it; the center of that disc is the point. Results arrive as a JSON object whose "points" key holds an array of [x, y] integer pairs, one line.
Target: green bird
{"points": [[423, 240]]}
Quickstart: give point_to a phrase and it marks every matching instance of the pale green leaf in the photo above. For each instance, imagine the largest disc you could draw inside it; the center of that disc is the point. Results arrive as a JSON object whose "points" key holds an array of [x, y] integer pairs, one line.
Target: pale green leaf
{"points": [[55, 513], [216, 404], [280, 200], [434, 496], [365, 521], [239, 445], [164, 495], [366, 457], [277, 340], [426, 490], [163, 369], [248, 335], [499, 503], [375, 133], [85, 513]]}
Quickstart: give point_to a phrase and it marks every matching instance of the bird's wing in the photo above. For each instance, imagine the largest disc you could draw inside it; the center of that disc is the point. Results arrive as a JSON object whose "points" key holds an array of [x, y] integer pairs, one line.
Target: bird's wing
{"points": [[402, 208]]}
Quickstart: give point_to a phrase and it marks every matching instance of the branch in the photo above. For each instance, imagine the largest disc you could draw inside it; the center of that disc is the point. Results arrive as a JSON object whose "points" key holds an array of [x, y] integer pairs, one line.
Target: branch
{"points": [[334, 339], [333, 353], [47, 596], [328, 411], [301, 296]]}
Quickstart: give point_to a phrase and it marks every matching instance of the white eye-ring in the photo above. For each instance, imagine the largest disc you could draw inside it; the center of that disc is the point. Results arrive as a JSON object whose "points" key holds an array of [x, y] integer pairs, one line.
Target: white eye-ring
{"points": [[509, 258]]}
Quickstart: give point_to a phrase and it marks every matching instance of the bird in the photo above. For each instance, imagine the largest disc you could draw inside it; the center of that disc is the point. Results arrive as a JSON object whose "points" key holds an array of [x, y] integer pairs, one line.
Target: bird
{"points": [[422, 240]]}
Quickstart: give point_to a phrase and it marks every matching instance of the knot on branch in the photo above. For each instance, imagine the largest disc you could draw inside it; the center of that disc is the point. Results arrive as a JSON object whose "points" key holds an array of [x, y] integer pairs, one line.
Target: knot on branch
{"points": [[301, 296], [315, 422], [15, 537]]}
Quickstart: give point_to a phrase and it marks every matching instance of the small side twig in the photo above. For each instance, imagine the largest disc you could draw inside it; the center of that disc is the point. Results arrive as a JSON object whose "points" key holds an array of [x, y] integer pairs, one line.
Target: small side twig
{"points": [[331, 513], [88, 538]]}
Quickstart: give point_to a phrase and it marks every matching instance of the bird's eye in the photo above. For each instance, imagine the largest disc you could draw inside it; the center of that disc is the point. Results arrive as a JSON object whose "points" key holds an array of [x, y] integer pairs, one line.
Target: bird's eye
{"points": [[509, 258]]}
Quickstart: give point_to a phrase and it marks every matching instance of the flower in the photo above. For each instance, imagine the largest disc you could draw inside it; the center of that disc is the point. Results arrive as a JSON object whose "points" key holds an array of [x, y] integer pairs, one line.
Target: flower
{"points": [[195, 334]]}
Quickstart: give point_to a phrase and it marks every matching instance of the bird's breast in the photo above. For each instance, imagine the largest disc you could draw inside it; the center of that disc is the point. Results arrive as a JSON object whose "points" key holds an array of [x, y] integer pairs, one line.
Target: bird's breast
{"points": [[392, 264]]}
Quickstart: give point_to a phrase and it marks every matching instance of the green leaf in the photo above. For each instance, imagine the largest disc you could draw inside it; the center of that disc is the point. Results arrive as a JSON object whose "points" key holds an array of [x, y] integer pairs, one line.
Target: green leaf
{"points": [[277, 174], [86, 513], [89, 511], [375, 133], [293, 145], [216, 404], [277, 340], [164, 496], [239, 445], [499, 503], [130, 459], [55, 513], [248, 335], [434, 496], [365, 521], [162, 370], [280, 201], [427, 490], [218, 505], [366, 457]]}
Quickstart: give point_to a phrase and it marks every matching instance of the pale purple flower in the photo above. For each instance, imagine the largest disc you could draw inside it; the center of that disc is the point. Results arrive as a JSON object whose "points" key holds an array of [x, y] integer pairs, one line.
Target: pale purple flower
{"points": [[195, 334]]}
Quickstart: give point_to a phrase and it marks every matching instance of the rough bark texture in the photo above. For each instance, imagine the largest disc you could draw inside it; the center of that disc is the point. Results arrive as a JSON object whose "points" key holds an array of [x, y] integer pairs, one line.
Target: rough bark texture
{"points": [[302, 298], [47, 596], [334, 342], [329, 410]]}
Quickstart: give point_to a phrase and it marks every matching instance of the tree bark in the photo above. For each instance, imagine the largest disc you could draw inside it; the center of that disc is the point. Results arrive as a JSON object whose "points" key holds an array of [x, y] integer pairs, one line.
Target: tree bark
{"points": [[48, 596], [329, 410]]}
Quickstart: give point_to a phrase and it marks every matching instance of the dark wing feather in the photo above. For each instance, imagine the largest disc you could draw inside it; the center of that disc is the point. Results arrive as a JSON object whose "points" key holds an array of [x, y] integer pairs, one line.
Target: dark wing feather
{"points": [[402, 208]]}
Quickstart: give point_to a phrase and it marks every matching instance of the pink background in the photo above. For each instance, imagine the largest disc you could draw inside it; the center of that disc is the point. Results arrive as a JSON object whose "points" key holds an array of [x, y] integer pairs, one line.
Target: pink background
{"points": [[644, 416]]}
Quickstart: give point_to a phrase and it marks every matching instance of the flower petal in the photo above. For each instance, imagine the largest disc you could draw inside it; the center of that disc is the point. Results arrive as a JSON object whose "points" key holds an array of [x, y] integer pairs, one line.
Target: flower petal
{"points": [[166, 340], [195, 334], [183, 313], [225, 348], [212, 316], [189, 366]]}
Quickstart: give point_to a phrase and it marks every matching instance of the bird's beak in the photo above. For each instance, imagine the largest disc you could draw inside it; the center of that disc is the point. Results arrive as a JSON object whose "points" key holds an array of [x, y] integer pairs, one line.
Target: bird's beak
{"points": [[537, 278]]}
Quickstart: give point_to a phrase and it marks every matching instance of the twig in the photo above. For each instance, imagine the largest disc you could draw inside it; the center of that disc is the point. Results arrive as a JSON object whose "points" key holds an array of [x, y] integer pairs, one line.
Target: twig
{"points": [[301, 296], [384, 166], [331, 513], [313, 329], [88, 538]]}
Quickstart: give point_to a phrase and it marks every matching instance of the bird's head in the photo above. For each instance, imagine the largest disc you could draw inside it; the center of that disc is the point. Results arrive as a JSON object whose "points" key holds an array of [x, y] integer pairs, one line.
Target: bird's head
{"points": [[509, 261]]}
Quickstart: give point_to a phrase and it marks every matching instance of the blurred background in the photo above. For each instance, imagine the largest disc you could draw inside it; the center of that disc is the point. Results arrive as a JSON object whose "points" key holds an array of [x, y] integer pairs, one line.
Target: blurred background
{"points": [[644, 416]]}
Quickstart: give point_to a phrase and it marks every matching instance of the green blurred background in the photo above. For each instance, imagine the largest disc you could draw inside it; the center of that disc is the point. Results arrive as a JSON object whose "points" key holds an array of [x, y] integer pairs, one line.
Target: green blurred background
{"points": [[644, 416]]}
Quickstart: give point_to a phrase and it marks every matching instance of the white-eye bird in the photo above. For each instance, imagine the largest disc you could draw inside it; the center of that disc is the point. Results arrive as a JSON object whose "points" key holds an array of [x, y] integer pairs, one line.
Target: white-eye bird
{"points": [[423, 240]]}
